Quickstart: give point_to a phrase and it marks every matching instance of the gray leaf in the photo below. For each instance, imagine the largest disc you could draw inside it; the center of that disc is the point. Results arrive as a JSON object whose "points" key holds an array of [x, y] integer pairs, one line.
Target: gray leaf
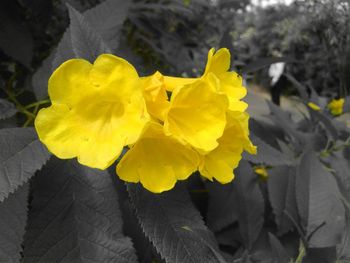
{"points": [[281, 190], [266, 154], [250, 204], [21, 154], [7, 109], [86, 42], [13, 220], [174, 226], [320, 209], [75, 217]]}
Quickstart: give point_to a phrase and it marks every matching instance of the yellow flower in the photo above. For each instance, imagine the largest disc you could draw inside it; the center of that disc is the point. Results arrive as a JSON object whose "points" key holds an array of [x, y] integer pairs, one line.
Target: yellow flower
{"points": [[336, 106], [221, 162], [262, 172], [157, 161], [155, 95], [197, 114], [96, 110], [314, 106], [231, 83]]}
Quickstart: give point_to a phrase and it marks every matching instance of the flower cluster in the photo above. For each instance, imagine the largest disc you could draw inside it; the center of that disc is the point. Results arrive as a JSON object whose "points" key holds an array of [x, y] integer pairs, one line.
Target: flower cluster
{"points": [[171, 126]]}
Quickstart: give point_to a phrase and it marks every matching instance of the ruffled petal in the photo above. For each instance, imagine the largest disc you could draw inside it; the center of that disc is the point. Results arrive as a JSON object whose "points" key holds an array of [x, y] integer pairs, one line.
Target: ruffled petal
{"points": [[69, 82], [96, 122], [197, 115], [221, 162], [60, 131], [114, 77], [157, 161]]}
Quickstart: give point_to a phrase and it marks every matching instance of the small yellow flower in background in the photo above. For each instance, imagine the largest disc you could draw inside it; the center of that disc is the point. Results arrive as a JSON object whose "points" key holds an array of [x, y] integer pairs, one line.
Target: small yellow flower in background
{"points": [[314, 106], [336, 106], [96, 110], [262, 172], [172, 126]]}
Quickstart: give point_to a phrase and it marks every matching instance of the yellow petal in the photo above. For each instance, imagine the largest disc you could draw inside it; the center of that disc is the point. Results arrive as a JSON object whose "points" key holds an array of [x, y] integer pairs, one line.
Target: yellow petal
{"points": [[171, 83], [157, 161], [95, 123], [221, 162], [197, 115], [60, 131], [69, 82], [155, 95], [218, 62]]}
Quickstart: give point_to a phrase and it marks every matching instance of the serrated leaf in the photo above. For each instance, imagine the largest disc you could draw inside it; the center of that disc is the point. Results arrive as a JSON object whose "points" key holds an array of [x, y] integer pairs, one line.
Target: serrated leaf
{"points": [[266, 154], [21, 154], [13, 220], [250, 204], [281, 190], [7, 109], [319, 206], [107, 19], [41, 77], [86, 42], [174, 226], [280, 255], [104, 19], [222, 205], [74, 217], [63, 52]]}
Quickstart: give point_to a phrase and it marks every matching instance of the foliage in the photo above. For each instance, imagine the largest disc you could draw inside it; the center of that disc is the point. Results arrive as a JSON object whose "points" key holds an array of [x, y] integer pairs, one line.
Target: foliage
{"points": [[55, 210]]}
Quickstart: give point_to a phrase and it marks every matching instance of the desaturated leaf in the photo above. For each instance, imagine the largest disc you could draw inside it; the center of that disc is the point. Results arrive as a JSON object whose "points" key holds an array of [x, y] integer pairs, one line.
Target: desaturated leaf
{"points": [[341, 166], [266, 154], [250, 204], [300, 87], [222, 206], [174, 226], [284, 120], [86, 42], [63, 52], [15, 39], [13, 220], [107, 19], [41, 77], [74, 217], [344, 249], [21, 154], [7, 109], [279, 253], [319, 206], [281, 190], [320, 255], [104, 19]]}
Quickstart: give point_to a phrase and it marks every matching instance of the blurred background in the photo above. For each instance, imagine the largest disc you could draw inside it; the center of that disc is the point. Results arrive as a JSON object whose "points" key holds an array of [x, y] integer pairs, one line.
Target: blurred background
{"points": [[271, 41]]}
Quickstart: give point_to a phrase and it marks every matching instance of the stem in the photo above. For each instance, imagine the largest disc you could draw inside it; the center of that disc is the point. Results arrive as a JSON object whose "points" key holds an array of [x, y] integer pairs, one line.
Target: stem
{"points": [[301, 253], [38, 103]]}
